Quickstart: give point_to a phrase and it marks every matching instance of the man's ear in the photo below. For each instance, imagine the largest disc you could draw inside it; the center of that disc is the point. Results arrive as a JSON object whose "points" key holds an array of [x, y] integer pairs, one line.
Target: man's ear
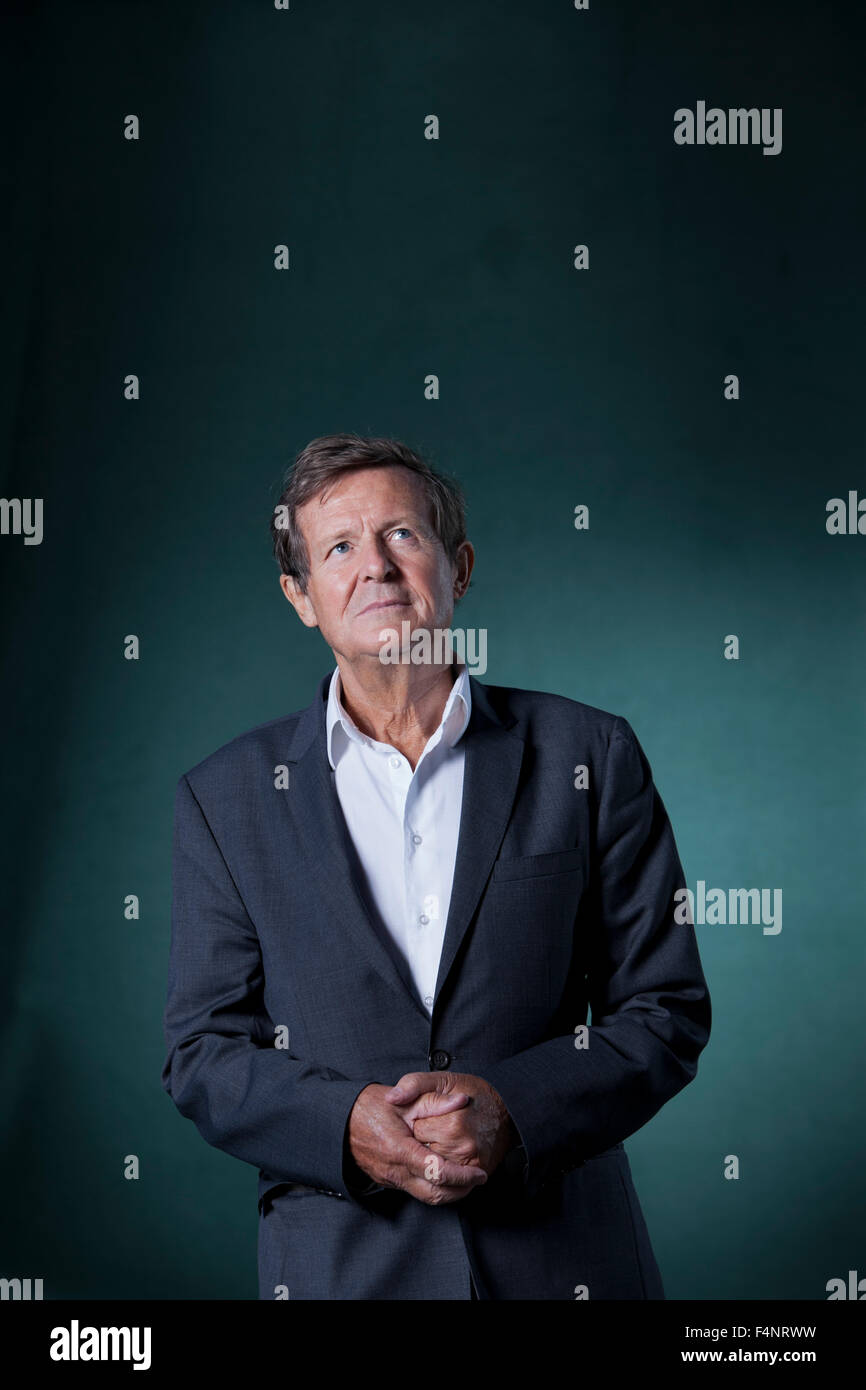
{"points": [[463, 569], [299, 600]]}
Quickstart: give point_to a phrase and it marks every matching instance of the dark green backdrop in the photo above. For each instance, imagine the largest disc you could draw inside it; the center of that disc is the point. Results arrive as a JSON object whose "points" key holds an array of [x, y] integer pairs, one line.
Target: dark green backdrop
{"points": [[453, 257]]}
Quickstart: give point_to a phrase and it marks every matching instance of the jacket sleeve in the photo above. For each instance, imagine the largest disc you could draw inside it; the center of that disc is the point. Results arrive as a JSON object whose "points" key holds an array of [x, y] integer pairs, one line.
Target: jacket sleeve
{"points": [[222, 1069], [650, 1006]]}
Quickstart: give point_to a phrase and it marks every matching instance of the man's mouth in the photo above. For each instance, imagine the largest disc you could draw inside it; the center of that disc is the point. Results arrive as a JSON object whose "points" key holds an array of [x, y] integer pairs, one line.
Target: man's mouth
{"points": [[385, 603]]}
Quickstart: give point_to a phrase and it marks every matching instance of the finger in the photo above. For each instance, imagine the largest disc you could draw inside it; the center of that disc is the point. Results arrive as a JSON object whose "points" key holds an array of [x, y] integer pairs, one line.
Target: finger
{"points": [[444, 1130], [474, 1161], [432, 1190], [431, 1103], [414, 1084], [436, 1195], [441, 1171], [459, 1148]]}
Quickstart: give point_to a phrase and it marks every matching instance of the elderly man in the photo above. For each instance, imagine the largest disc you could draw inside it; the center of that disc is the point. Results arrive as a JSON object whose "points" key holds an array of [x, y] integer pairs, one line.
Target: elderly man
{"points": [[393, 913]]}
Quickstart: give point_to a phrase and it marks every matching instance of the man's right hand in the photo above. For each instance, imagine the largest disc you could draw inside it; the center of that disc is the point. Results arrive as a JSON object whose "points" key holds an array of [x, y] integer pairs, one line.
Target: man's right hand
{"points": [[383, 1146]]}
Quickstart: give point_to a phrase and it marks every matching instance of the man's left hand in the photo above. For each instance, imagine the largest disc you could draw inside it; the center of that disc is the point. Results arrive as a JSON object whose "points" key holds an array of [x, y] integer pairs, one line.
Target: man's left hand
{"points": [[482, 1132]]}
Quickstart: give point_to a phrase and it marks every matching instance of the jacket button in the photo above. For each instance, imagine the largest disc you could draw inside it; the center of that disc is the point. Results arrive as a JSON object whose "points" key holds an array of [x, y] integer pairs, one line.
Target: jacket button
{"points": [[439, 1060]]}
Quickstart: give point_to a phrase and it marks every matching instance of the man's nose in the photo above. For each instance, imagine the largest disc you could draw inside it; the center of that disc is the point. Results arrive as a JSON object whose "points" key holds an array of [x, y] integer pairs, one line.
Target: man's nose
{"points": [[376, 560]]}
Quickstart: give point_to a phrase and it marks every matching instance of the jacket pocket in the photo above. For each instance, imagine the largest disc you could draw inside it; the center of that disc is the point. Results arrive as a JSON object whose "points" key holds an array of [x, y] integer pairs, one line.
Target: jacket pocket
{"points": [[563, 861], [294, 1190]]}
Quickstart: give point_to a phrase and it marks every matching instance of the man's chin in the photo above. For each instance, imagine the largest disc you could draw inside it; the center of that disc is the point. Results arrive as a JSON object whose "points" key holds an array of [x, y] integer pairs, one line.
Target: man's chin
{"points": [[386, 625], [372, 649]]}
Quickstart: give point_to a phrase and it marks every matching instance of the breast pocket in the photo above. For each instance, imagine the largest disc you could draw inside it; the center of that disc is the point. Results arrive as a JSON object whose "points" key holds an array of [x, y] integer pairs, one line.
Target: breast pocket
{"points": [[525, 938], [563, 861]]}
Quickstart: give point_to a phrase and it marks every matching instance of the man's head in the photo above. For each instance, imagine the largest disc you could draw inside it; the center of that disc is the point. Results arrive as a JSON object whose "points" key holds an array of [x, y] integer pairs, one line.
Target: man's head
{"points": [[368, 536]]}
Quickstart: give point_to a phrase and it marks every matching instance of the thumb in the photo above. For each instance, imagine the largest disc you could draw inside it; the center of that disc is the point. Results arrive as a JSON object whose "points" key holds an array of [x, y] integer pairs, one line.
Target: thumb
{"points": [[432, 1103], [410, 1087], [418, 1083]]}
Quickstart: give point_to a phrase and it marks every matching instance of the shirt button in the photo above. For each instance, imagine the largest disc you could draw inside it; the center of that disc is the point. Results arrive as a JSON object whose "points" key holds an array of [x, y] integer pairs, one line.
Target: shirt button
{"points": [[395, 762], [428, 1000], [416, 839], [423, 919]]}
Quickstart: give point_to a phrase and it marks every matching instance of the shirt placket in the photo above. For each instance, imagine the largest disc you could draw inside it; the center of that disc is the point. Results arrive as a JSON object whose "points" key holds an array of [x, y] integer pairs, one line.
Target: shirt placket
{"points": [[420, 884]]}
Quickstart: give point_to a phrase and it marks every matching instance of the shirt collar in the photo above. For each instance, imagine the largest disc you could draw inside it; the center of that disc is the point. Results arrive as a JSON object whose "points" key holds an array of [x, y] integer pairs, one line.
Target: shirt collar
{"points": [[455, 715]]}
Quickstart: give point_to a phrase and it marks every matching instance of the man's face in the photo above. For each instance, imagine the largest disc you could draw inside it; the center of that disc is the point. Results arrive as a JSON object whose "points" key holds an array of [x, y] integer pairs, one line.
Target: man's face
{"points": [[375, 562]]}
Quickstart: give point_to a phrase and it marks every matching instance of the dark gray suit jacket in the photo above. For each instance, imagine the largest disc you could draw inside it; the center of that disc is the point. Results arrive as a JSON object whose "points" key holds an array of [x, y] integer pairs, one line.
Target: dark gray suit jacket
{"points": [[562, 902]]}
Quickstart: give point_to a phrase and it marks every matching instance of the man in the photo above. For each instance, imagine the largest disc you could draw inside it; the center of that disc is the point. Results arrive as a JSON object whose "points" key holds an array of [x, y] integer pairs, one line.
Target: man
{"points": [[392, 913]]}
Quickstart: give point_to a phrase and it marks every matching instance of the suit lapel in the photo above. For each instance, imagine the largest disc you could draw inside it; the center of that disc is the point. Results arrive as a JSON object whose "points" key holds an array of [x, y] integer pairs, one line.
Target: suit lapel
{"points": [[321, 828], [493, 758], [490, 775]]}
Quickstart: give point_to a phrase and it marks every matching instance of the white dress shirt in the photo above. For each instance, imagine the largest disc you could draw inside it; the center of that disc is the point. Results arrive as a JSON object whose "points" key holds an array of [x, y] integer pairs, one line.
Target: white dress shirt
{"points": [[404, 824]]}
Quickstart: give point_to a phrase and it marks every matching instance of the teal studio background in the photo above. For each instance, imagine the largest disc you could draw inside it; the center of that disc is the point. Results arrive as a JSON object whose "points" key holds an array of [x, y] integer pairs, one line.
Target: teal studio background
{"points": [[558, 387]]}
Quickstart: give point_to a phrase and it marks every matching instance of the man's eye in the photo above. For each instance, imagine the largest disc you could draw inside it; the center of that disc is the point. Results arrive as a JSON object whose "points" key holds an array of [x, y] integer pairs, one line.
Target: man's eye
{"points": [[339, 543], [403, 528]]}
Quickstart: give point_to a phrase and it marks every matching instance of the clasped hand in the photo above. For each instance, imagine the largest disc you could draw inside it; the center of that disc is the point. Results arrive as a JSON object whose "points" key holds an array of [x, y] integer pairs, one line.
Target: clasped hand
{"points": [[436, 1135]]}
